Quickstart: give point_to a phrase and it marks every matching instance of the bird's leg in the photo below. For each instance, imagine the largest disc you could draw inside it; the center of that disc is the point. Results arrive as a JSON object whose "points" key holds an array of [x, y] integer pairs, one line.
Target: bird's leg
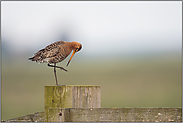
{"points": [[55, 70], [55, 74], [56, 66]]}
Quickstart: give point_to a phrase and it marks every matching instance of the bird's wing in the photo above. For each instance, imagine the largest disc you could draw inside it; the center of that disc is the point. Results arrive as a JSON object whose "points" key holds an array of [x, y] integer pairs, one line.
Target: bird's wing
{"points": [[48, 52]]}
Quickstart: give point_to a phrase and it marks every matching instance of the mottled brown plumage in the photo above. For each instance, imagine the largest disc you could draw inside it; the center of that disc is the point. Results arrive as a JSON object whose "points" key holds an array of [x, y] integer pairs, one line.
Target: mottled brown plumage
{"points": [[56, 52]]}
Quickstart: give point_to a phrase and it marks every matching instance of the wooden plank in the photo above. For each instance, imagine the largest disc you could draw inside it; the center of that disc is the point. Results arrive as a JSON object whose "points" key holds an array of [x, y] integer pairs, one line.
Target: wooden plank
{"points": [[115, 115], [105, 115], [35, 117]]}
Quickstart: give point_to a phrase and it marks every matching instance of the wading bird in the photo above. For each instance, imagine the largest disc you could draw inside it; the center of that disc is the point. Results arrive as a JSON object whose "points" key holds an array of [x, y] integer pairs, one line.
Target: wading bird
{"points": [[56, 52]]}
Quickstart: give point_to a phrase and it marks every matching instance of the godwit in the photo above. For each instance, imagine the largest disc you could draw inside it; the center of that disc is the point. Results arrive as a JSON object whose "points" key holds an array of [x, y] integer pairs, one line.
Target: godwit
{"points": [[56, 52]]}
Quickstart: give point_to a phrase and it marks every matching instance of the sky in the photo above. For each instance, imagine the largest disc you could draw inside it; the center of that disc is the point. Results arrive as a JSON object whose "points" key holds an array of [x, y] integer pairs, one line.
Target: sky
{"points": [[102, 27]]}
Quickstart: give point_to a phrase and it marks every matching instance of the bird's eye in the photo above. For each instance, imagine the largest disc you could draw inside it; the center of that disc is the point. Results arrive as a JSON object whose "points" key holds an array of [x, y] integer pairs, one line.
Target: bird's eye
{"points": [[78, 49]]}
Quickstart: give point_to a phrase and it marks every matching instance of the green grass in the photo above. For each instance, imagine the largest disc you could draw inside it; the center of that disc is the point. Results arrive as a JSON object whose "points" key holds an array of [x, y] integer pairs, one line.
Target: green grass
{"points": [[152, 82]]}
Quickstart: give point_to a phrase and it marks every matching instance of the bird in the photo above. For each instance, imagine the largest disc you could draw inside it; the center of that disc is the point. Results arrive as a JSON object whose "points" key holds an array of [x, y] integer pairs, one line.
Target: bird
{"points": [[56, 52]]}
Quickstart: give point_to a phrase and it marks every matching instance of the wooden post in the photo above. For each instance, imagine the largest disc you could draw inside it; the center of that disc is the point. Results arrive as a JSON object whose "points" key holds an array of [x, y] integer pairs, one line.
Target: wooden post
{"points": [[83, 104], [71, 96]]}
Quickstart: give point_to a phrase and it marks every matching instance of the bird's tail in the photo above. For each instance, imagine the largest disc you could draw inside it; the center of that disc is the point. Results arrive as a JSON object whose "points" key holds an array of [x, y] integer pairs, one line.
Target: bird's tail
{"points": [[38, 57], [32, 59]]}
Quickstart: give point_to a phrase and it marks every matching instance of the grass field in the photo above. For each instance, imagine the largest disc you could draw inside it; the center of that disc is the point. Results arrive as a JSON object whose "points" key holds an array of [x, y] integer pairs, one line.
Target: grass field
{"points": [[142, 82]]}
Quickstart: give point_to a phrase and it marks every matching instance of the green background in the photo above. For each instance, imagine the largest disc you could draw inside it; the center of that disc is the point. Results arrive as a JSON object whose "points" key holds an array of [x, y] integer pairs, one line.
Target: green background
{"points": [[138, 81]]}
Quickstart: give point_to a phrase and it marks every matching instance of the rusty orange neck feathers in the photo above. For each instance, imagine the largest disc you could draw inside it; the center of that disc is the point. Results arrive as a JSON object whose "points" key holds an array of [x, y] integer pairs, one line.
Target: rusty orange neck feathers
{"points": [[75, 47]]}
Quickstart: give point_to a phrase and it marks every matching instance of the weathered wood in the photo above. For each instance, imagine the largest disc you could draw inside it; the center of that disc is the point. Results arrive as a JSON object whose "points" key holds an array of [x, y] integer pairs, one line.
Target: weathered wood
{"points": [[105, 115], [83, 104], [72, 96], [36, 117], [115, 115]]}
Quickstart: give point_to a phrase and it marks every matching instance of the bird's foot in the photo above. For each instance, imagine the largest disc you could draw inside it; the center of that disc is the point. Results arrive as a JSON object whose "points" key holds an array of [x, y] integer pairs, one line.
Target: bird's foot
{"points": [[63, 68], [57, 67]]}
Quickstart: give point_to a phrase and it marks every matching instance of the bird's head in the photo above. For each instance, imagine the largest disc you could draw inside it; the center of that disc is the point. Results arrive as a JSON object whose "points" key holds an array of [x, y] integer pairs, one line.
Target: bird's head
{"points": [[76, 47]]}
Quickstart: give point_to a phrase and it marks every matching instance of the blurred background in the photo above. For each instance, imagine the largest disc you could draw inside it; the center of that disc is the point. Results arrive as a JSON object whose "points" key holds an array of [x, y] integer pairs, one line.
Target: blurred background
{"points": [[131, 49]]}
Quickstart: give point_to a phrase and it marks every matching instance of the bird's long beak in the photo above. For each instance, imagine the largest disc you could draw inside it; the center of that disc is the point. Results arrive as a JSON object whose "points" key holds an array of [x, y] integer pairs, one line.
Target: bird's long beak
{"points": [[71, 57]]}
